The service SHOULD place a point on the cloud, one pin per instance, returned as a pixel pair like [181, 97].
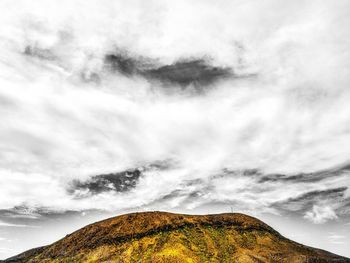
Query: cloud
[252, 143]
[190, 72]
[337, 239]
[119, 182]
[321, 214]
[4, 224]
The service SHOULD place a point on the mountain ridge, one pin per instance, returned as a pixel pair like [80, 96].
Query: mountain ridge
[168, 237]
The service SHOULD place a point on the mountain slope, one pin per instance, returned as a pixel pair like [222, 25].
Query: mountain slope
[166, 237]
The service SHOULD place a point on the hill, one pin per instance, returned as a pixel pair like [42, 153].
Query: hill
[166, 237]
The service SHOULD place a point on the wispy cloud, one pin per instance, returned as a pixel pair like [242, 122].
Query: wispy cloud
[5, 224]
[337, 239]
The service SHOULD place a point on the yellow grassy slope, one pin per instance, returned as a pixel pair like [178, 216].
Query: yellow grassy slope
[164, 237]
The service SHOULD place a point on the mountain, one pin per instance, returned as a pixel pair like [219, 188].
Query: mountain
[166, 237]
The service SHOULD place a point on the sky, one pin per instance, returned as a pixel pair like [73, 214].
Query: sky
[187, 106]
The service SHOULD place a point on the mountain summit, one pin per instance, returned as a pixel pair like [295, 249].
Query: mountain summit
[166, 237]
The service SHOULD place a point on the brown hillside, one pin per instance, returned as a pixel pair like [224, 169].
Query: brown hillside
[166, 237]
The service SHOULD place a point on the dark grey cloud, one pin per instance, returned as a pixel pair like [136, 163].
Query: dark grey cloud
[123, 63]
[305, 177]
[198, 71]
[119, 182]
[307, 200]
[116, 182]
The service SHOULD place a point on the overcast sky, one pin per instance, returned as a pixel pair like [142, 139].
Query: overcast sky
[190, 106]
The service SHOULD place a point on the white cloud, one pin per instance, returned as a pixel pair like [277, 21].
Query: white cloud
[320, 214]
[337, 239]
